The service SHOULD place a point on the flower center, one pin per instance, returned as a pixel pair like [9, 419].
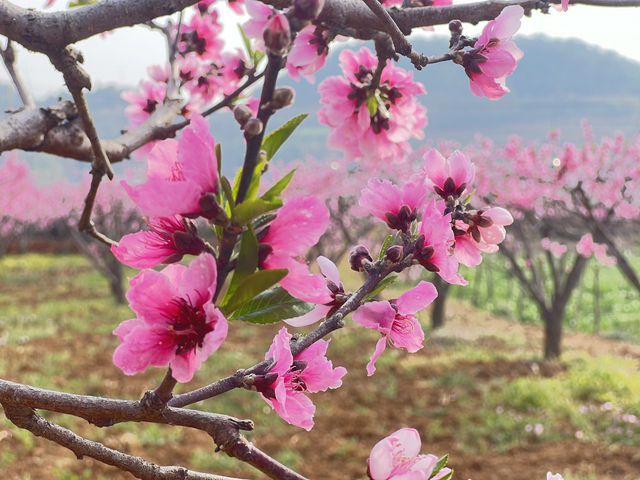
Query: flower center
[189, 326]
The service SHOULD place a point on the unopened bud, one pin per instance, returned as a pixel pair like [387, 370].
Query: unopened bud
[277, 34]
[455, 27]
[394, 253]
[210, 209]
[242, 114]
[358, 257]
[253, 127]
[307, 9]
[283, 97]
[186, 242]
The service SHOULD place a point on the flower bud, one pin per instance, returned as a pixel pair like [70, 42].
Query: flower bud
[253, 127]
[455, 27]
[307, 9]
[283, 97]
[187, 242]
[394, 253]
[277, 34]
[358, 257]
[210, 209]
[242, 114]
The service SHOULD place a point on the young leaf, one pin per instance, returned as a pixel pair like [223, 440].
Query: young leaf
[252, 192]
[226, 188]
[247, 45]
[440, 464]
[448, 476]
[253, 208]
[372, 105]
[251, 286]
[271, 306]
[278, 188]
[247, 261]
[390, 240]
[384, 283]
[81, 3]
[274, 140]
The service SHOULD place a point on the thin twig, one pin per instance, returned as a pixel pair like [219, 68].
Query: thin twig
[9, 59]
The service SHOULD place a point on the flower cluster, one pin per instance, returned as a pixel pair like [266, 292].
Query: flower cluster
[369, 116]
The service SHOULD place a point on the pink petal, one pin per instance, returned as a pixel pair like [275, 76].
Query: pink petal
[416, 298]
[375, 315]
[280, 351]
[162, 159]
[435, 165]
[409, 438]
[381, 460]
[197, 155]
[380, 346]
[164, 198]
[199, 280]
[143, 249]
[499, 215]
[304, 214]
[318, 313]
[148, 296]
[329, 269]
[300, 282]
[185, 365]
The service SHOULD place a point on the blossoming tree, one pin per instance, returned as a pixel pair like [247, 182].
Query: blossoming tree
[253, 269]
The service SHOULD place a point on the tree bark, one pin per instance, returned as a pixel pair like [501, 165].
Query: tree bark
[438, 309]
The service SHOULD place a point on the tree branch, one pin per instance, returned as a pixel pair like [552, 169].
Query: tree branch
[9, 59]
[26, 418]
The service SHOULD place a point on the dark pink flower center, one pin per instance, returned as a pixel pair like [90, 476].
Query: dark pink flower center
[189, 326]
[363, 88]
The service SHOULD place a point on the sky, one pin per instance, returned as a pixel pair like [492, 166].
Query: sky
[121, 58]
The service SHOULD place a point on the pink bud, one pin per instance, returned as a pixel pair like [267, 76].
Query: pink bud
[277, 34]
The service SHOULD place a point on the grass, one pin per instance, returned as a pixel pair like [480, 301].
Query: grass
[468, 396]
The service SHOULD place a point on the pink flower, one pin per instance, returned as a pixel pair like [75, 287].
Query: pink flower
[398, 457]
[299, 224]
[557, 476]
[396, 321]
[144, 102]
[308, 53]
[450, 177]
[564, 4]
[366, 120]
[586, 247]
[260, 15]
[168, 240]
[483, 234]
[179, 174]
[494, 56]
[309, 371]
[328, 297]
[177, 323]
[436, 253]
[556, 249]
[396, 206]
[202, 34]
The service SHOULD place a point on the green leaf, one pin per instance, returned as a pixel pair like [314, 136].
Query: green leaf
[251, 286]
[81, 3]
[275, 139]
[253, 208]
[372, 105]
[228, 192]
[278, 188]
[247, 44]
[219, 156]
[247, 261]
[440, 464]
[384, 283]
[271, 306]
[448, 476]
[252, 192]
[390, 240]
[382, 109]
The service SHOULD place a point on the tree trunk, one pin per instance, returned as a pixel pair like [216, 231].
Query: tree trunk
[116, 282]
[552, 334]
[438, 308]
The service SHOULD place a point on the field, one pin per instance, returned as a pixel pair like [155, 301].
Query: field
[477, 391]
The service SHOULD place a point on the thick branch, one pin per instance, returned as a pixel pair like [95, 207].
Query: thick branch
[49, 31]
[26, 418]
